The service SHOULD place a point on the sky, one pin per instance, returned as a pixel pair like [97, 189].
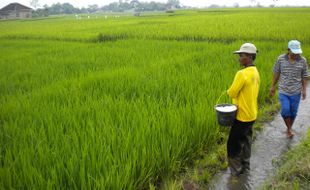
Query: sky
[193, 3]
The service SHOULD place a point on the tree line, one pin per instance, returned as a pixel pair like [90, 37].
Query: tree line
[120, 6]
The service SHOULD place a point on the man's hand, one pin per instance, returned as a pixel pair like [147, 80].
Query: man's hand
[272, 91]
[303, 94]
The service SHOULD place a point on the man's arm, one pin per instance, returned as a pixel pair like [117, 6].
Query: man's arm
[276, 75]
[304, 88]
[304, 80]
[275, 80]
[236, 86]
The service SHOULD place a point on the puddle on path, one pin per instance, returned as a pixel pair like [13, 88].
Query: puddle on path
[268, 147]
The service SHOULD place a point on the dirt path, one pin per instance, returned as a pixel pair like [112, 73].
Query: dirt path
[269, 145]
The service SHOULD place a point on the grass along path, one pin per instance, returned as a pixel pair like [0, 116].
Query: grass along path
[294, 169]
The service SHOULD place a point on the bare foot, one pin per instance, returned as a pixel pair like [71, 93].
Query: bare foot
[289, 134]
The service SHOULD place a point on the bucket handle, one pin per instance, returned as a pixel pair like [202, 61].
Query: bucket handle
[224, 92]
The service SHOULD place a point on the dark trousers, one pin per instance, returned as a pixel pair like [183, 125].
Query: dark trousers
[239, 147]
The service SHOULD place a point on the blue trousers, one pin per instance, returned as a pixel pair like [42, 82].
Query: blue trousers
[289, 105]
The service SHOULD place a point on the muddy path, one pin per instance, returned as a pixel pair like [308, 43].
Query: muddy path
[268, 147]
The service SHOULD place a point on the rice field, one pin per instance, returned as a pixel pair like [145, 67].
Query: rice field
[121, 103]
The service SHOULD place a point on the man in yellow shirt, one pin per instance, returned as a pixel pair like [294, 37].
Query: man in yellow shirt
[244, 92]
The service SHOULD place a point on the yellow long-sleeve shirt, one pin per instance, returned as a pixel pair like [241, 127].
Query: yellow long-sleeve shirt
[244, 92]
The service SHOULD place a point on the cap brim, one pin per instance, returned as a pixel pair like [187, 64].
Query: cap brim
[237, 52]
[296, 51]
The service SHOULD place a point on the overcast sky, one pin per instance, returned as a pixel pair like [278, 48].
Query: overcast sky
[193, 3]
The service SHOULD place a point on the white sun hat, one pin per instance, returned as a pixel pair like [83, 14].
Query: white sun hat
[247, 48]
[295, 47]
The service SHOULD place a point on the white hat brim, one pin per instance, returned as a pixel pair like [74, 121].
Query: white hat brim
[296, 51]
[238, 52]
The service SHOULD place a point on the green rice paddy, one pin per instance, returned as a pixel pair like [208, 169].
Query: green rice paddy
[121, 103]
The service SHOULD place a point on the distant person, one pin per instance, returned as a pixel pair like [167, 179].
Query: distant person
[244, 92]
[291, 69]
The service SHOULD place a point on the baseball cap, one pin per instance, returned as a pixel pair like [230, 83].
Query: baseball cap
[247, 48]
[294, 46]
